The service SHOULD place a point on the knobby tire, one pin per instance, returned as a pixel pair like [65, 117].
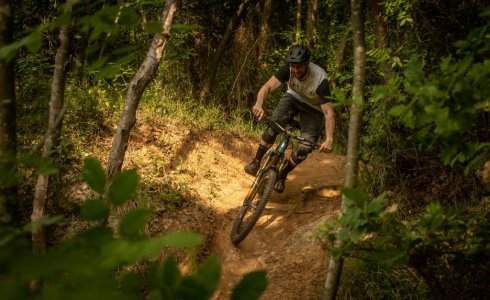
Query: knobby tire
[248, 215]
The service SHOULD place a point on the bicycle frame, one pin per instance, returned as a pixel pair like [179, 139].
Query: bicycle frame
[263, 185]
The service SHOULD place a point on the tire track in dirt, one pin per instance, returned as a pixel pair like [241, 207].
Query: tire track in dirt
[282, 241]
[210, 164]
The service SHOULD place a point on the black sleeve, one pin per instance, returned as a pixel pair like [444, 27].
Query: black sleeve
[283, 74]
[323, 90]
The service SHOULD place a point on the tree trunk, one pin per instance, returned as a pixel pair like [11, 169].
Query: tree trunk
[351, 172]
[339, 59]
[299, 5]
[8, 141]
[52, 139]
[311, 23]
[137, 86]
[210, 75]
[376, 15]
[264, 30]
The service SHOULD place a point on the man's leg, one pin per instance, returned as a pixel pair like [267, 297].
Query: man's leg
[281, 115]
[253, 167]
[297, 157]
[311, 122]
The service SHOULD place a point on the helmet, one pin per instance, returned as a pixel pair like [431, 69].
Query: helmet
[298, 54]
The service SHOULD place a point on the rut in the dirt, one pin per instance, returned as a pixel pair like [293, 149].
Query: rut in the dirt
[282, 242]
[210, 164]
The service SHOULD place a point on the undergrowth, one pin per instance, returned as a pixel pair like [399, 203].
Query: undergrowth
[363, 280]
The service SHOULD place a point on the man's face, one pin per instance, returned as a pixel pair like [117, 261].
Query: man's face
[299, 70]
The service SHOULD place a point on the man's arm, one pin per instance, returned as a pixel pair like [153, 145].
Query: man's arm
[271, 85]
[329, 127]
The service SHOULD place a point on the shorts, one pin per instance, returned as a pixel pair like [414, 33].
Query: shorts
[311, 120]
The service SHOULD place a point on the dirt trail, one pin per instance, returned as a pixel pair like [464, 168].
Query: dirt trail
[281, 242]
[210, 163]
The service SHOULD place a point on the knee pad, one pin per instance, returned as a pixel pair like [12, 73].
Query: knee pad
[301, 153]
[269, 136]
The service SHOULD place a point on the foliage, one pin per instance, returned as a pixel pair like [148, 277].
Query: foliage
[429, 110]
[399, 9]
[367, 280]
[446, 107]
[436, 107]
[450, 251]
[98, 262]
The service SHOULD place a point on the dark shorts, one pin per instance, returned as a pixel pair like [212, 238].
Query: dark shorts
[311, 120]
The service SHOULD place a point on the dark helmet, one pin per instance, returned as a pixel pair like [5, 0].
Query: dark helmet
[298, 54]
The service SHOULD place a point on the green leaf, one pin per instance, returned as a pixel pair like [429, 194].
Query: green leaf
[336, 253]
[119, 252]
[133, 222]
[94, 175]
[343, 234]
[398, 110]
[375, 206]
[123, 187]
[132, 284]
[8, 52]
[357, 196]
[99, 63]
[182, 239]
[208, 274]
[41, 222]
[251, 286]
[355, 235]
[43, 166]
[108, 71]
[153, 27]
[94, 210]
[33, 42]
[391, 257]
[128, 17]
[171, 274]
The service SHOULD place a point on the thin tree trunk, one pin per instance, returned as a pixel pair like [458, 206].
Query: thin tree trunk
[52, 140]
[8, 141]
[137, 86]
[264, 30]
[210, 75]
[311, 23]
[339, 59]
[299, 5]
[376, 15]
[357, 21]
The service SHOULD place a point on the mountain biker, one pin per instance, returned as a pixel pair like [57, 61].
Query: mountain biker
[307, 89]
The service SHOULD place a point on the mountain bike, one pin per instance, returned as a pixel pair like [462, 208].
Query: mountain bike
[271, 166]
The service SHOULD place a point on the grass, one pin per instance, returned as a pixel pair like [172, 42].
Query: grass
[362, 280]
[159, 102]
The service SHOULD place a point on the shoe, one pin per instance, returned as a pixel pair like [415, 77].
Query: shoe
[252, 168]
[280, 185]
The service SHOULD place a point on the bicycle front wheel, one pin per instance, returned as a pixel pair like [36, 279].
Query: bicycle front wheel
[253, 205]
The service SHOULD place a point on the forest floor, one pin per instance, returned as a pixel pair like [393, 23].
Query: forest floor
[207, 165]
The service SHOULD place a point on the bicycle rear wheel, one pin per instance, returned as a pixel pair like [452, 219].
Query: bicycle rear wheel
[253, 205]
